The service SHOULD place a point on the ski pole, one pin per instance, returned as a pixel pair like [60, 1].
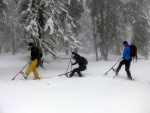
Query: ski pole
[69, 63]
[20, 71]
[113, 66]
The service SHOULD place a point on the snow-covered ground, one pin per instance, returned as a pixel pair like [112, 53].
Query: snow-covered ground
[93, 93]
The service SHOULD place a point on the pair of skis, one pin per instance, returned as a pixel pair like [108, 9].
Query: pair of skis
[25, 77]
[66, 74]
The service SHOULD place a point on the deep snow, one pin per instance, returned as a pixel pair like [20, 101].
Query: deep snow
[93, 93]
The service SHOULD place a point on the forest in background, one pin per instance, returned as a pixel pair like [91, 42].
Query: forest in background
[88, 26]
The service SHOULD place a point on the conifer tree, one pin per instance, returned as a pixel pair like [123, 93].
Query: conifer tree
[138, 18]
[2, 16]
[47, 22]
[105, 17]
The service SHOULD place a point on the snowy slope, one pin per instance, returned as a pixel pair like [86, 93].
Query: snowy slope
[93, 93]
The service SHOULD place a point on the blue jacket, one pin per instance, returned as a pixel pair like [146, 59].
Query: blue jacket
[126, 53]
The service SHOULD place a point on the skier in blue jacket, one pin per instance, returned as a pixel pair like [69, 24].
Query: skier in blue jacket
[126, 60]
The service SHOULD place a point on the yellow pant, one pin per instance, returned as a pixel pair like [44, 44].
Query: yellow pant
[32, 67]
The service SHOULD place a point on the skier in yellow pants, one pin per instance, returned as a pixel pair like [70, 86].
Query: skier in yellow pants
[33, 63]
[32, 67]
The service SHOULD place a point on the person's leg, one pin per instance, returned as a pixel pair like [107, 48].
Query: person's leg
[30, 68]
[73, 71]
[79, 71]
[119, 66]
[36, 75]
[127, 68]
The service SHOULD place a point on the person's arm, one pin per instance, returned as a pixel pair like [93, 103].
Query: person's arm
[125, 52]
[74, 63]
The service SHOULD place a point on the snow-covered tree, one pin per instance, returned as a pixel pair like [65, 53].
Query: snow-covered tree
[85, 36]
[111, 21]
[138, 18]
[2, 22]
[75, 9]
[10, 29]
[105, 16]
[48, 22]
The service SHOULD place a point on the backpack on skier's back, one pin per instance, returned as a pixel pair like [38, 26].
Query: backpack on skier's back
[133, 51]
[39, 52]
[84, 60]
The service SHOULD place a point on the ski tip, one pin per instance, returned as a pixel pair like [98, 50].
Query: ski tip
[13, 79]
[37, 78]
[105, 74]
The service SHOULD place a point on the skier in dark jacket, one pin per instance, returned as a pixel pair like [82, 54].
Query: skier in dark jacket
[33, 63]
[126, 60]
[78, 60]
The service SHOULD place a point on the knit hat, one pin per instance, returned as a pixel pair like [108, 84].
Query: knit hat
[125, 42]
[30, 44]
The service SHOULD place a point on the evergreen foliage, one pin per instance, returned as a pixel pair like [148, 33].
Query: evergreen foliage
[47, 22]
[111, 21]
[137, 17]
[56, 25]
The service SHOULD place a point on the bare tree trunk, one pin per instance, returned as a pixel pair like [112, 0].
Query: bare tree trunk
[13, 39]
[66, 50]
[0, 50]
[13, 46]
[1, 24]
[40, 29]
[40, 21]
[95, 39]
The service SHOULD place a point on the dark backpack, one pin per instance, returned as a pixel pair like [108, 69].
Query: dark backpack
[84, 60]
[133, 51]
[39, 53]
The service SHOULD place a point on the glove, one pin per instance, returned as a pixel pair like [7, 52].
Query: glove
[73, 52]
